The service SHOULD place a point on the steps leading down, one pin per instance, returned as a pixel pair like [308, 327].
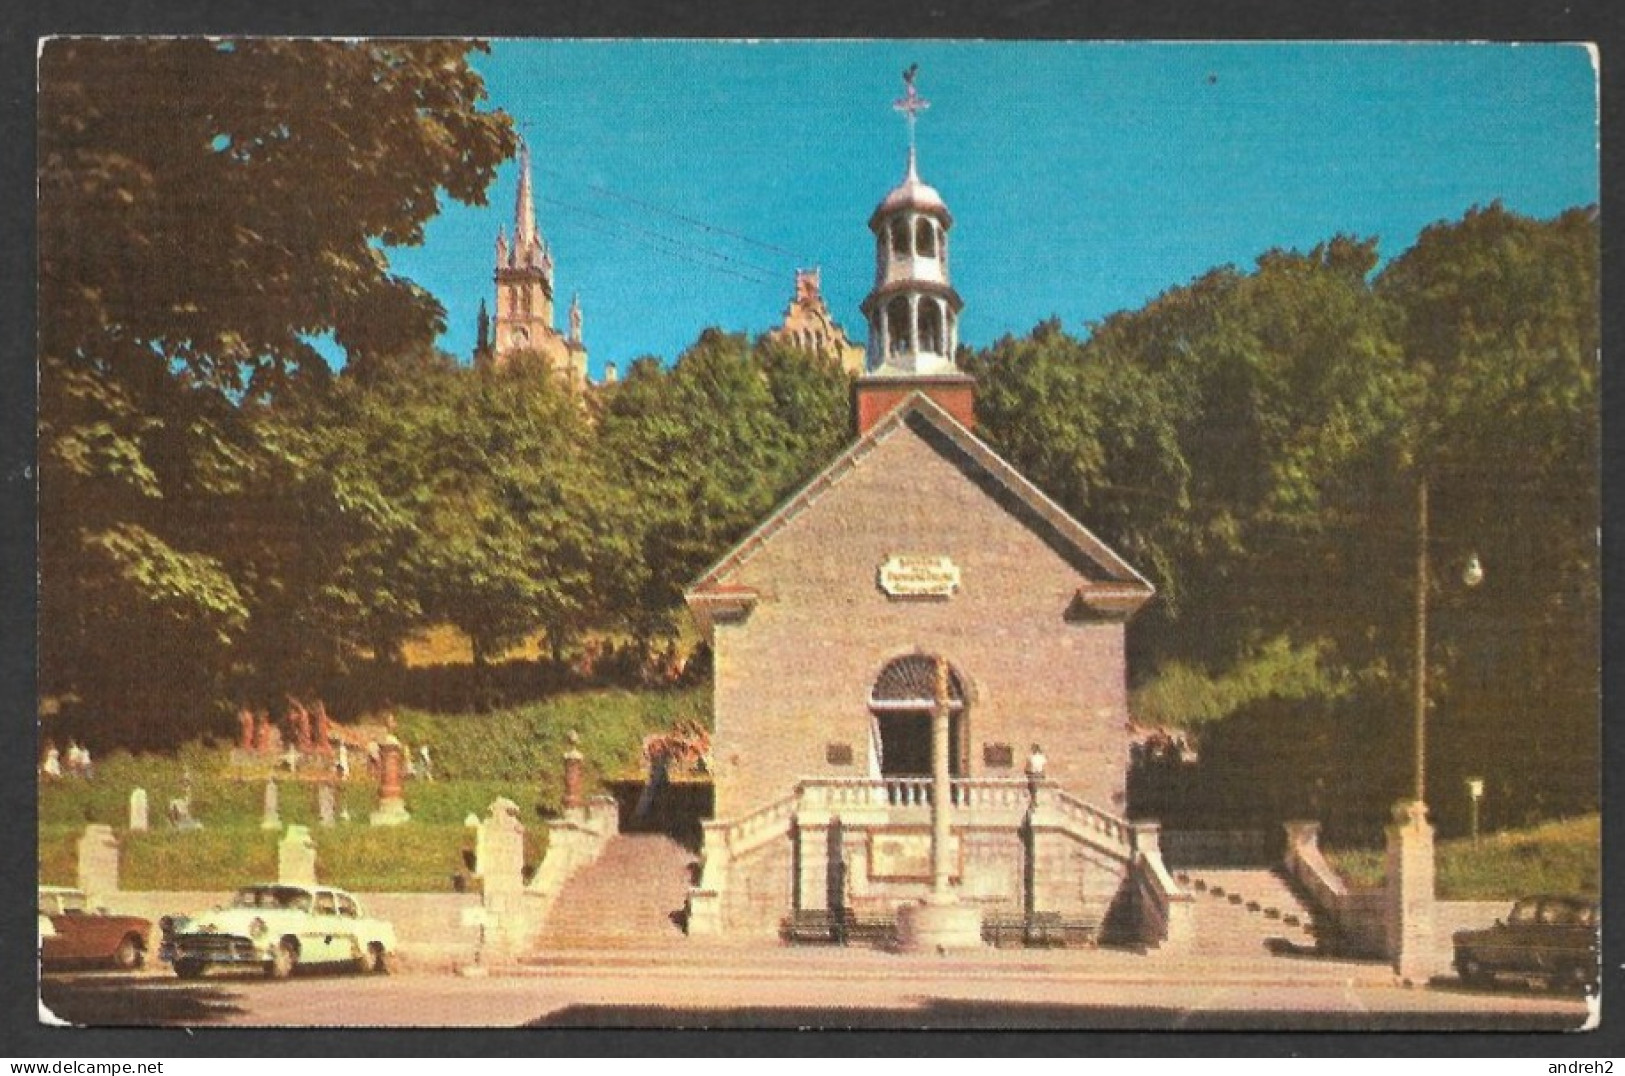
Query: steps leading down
[1246, 912]
[632, 895]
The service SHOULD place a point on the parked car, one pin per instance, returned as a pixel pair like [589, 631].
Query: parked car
[278, 928]
[1545, 937]
[79, 934]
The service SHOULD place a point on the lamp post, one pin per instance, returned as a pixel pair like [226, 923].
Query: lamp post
[1421, 677]
[1409, 912]
[1472, 575]
[1475, 790]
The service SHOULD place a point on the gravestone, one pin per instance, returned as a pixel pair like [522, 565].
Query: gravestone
[391, 802]
[296, 857]
[138, 811]
[326, 804]
[270, 818]
[179, 813]
[98, 862]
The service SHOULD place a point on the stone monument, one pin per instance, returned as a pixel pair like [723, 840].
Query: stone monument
[270, 817]
[138, 811]
[940, 921]
[326, 803]
[391, 802]
[296, 857]
[98, 862]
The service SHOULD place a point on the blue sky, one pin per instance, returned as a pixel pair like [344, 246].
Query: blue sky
[681, 184]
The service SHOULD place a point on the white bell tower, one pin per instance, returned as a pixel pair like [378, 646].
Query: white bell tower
[913, 309]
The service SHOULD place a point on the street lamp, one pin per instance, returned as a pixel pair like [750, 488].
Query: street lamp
[1471, 575]
[1475, 789]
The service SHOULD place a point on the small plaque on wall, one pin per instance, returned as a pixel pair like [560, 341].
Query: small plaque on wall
[905, 575]
[906, 856]
[998, 756]
[838, 754]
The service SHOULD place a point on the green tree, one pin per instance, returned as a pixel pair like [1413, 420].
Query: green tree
[1212, 438]
[1500, 314]
[707, 448]
[208, 210]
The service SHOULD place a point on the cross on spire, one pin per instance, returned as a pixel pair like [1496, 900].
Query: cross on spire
[911, 104]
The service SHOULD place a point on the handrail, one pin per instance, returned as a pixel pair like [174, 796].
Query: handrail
[1084, 820]
[1104, 827]
[965, 792]
[742, 834]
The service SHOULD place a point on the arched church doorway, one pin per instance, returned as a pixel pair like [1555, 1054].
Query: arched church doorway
[901, 702]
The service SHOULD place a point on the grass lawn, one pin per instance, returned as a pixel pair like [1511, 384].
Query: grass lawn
[1557, 857]
[515, 753]
[420, 856]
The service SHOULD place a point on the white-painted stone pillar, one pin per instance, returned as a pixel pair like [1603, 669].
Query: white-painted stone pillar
[1409, 914]
[940, 922]
[98, 862]
[941, 789]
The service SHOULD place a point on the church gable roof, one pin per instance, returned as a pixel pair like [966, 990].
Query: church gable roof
[1111, 585]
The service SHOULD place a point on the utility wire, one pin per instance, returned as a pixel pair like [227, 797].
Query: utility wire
[765, 272]
[715, 229]
[677, 253]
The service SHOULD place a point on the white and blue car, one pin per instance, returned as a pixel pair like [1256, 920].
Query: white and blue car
[278, 928]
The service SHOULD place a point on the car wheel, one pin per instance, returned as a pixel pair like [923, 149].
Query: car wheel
[1475, 974]
[284, 958]
[374, 960]
[188, 969]
[1571, 979]
[129, 954]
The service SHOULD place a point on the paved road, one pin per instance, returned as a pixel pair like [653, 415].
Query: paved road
[829, 989]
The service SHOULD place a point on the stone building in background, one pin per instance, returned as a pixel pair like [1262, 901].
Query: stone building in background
[524, 311]
[808, 325]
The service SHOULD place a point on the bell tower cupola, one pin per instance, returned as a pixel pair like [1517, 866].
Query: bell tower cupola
[913, 309]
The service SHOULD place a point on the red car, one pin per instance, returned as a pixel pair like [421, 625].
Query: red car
[82, 936]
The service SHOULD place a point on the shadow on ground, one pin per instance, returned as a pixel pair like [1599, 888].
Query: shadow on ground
[956, 1015]
[121, 1001]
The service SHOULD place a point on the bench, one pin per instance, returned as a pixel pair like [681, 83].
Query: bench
[822, 926]
[1041, 930]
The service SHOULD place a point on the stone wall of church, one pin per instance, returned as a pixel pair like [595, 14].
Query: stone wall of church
[792, 679]
[760, 890]
[809, 868]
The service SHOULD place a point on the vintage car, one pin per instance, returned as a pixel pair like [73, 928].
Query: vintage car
[79, 934]
[1545, 937]
[278, 928]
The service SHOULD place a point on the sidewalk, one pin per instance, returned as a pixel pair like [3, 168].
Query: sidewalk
[768, 960]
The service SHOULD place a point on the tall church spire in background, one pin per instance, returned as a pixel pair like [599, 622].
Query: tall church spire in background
[524, 209]
[524, 278]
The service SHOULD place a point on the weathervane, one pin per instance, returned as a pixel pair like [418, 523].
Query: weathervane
[911, 104]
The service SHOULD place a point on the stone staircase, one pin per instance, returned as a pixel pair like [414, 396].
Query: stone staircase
[1243, 912]
[631, 896]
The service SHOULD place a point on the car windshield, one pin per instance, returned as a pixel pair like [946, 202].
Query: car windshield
[62, 902]
[1524, 911]
[273, 896]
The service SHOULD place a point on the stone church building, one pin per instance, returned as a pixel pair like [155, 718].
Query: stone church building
[524, 283]
[918, 546]
[809, 325]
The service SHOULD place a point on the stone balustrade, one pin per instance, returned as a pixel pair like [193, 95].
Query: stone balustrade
[1108, 829]
[974, 793]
